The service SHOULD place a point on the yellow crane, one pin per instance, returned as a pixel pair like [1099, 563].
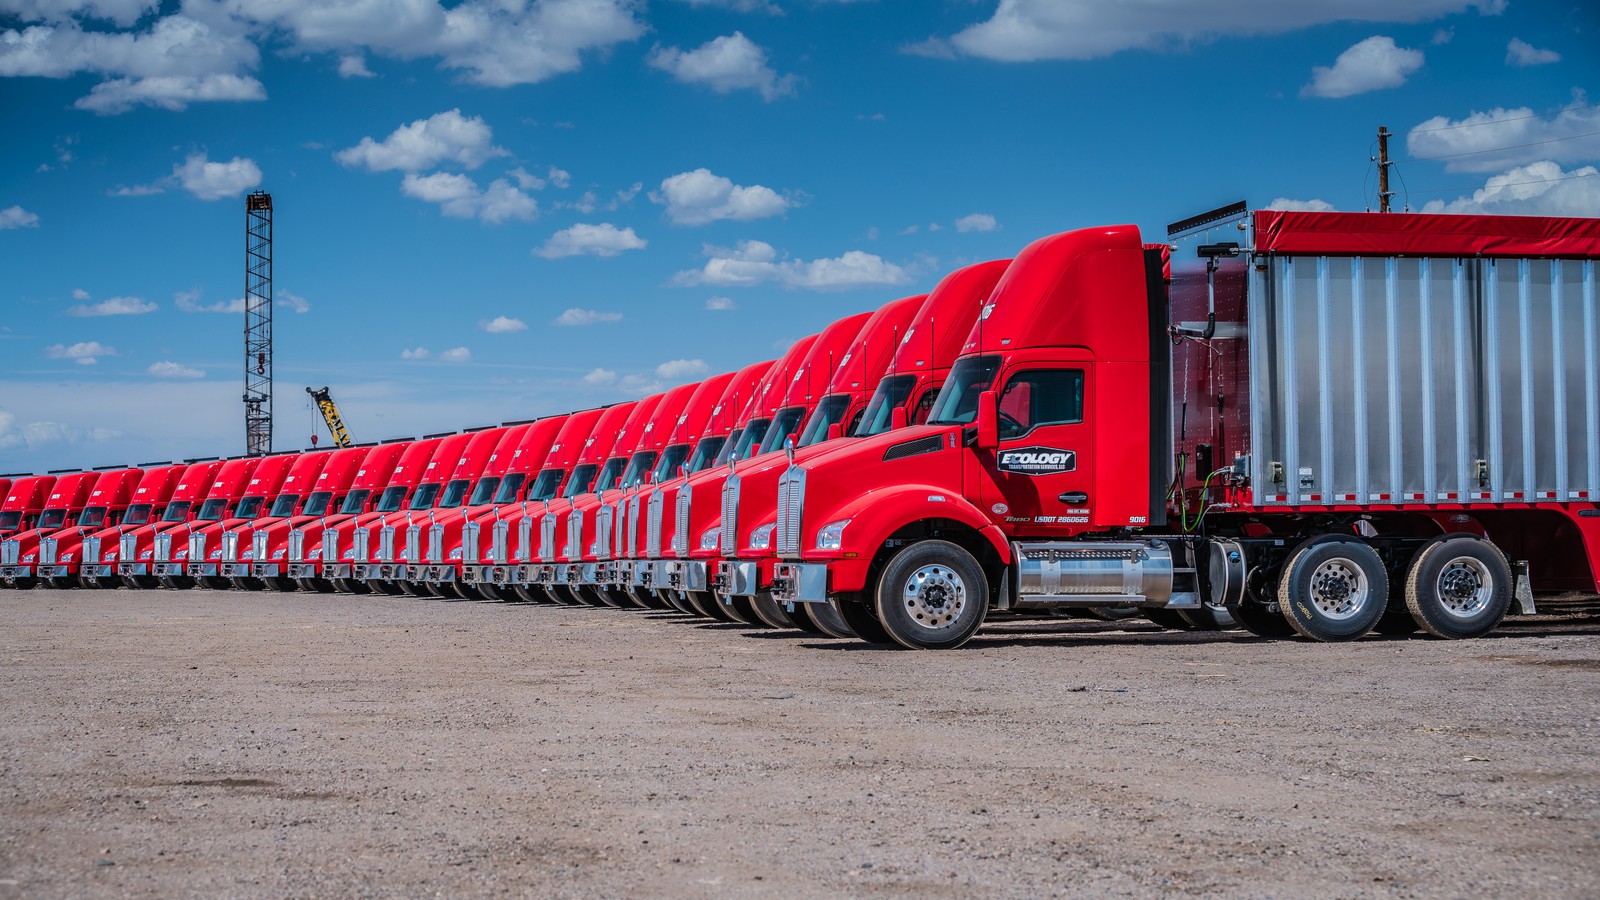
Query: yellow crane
[330, 414]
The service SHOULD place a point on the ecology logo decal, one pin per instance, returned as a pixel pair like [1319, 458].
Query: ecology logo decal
[1038, 461]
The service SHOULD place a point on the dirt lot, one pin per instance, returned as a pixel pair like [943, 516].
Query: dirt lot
[206, 743]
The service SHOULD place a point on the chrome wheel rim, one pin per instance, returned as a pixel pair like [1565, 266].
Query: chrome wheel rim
[1339, 589]
[1465, 587]
[934, 597]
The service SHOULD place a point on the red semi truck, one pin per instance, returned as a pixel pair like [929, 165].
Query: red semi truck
[913, 367]
[80, 555]
[169, 547]
[62, 503]
[348, 543]
[318, 483]
[103, 551]
[1325, 423]
[299, 542]
[202, 541]
[98, 499]
[540, 575]
[25, 500]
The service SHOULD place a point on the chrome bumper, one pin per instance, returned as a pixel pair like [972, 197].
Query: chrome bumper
[97, 571]
[588, 573]
[195, 569]
[265, 570]
[126, 569]
[479, 574]
[381, 572]
[800, 583]
[53, 572]
[737, 579]
[302, 570]
[686, 575]
[437, 574]
[168, 569]
[330, 570]
[16, 571]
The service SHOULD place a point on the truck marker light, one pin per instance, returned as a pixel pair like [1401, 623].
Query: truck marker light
[1000, 509]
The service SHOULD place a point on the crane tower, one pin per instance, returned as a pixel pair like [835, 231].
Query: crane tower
[258, 323]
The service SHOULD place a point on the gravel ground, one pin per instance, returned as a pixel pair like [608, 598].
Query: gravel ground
[233, 744]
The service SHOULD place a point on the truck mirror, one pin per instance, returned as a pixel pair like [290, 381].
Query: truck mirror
[898, 418]
[988, 421]
[835, 431]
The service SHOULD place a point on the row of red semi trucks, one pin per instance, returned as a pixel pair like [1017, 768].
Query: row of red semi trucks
[1314, 423]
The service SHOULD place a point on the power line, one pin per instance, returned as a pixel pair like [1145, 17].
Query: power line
[1497, 121]
[1558, 140]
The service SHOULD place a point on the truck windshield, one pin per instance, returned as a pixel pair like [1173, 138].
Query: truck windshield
[892, 392]
[177, 511]
[10, 519]
[353, 502]
[638, 466]
[607, 479]
[454, 493]
[317, 503]
[392, 498]
[783, 425]
[671, 458]
[92, 516]
[705, 454]
[582, 477]
[283, 507]
[423, 498]
[726, 450]
[509, 487]
[484, 492]
[546, 485]
[750, 438]
[828, 413]
[138, 514]
[250, 507]
[957, 403]
[212, 510]
[52, 518]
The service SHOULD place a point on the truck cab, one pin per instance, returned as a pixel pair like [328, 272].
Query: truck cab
[25, 500]
[316, 483]
[202, 546]
[94, 558]
[551, 539]
[313, 546]
[231, 490]
[349, 481]
[209, 487]
[91, 501]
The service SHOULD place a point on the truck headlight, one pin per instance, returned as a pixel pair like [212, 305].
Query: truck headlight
[761, 538]
[831, 535]
[711, 538]
[456, 553]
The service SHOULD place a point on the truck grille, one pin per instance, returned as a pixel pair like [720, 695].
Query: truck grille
[385, 543]
[163, 547]
[652, 534]
[469, 543]
[91, 551]
[574, 549]
[408, 553]
[436, 543]
[47, 552]
[602, 531]
[230, 546]
[547, 537]
[730, 516]
[791, 500]
[297, 544]
[330, 545]
[128, 546]
[258, 546]
[9, 550]
[632, 526]
[680, 523]
[524, 539]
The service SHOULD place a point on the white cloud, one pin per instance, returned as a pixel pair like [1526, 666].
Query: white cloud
[174, 92]
[1374, 64]
[561, 178]
[676, 369]
[1538, 189]
[354, 65]
[1521, 53]
[84, 353]
[585, 204]
[604, 239]
[456, 354]
[728, 63]
[720, 304]
[503, 325]
[293, 301]
[600, 377]
[1443, 36]
[458, 196]
[756, 262]
[579, 316]
[625, 196]
[1028, 30]
[80, 294]
[115, 306]
[189, 302]
[415, 353]
[169, 369]
[17, 217]
[765, 6]
[138, 190]
[425, 143]
[1288, 204]
[699, 197]
[216, 180]
[977, 222]
[122, 12]
[44, 432]
[1494, 141]
[526, 180]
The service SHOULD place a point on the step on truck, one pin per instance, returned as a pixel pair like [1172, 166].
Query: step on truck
[913, 365]
[1324, 423]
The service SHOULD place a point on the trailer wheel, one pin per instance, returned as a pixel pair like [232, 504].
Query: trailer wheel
[1458, 587]
[932, 596]
[1333, 588]
[1168, 618]
[860, 616]
[771, 611]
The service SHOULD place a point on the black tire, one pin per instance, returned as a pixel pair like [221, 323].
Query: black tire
[860, 616]
[648, 599]
[383, 586]
[827, 619]
[530, 593]
[1261, 620]
[26, 583]
[61, 584]
[590, 596]
[1458, 586]
[142, 582]
[1168, 618]
[932, 596]
[740, 609]
[673, 601]
[215, 582]
[1208, 618]
[176, 582]
[316, 585]
[1333, 588]
[249, 583]
[565, 595]
[91, 583]
[415, 589]
[350, 586]
[494, 592]
[771, 611]
[282, 583]
[706, 602]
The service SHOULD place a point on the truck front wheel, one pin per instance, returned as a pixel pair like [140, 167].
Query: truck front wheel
[1333, 588]
[932, 596]
[1458, 586]
[861, 618]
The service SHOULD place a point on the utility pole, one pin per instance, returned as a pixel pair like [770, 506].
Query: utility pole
[258, 323]
[1383, 169]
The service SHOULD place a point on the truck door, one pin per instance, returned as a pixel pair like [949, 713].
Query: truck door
[1037, 482]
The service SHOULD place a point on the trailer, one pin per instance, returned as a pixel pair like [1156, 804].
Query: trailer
[1323, 423]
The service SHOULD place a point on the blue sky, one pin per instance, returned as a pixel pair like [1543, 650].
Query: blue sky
[495, 210]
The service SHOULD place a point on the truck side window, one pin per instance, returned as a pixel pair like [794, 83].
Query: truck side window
[1041, 397]
[923, 409]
